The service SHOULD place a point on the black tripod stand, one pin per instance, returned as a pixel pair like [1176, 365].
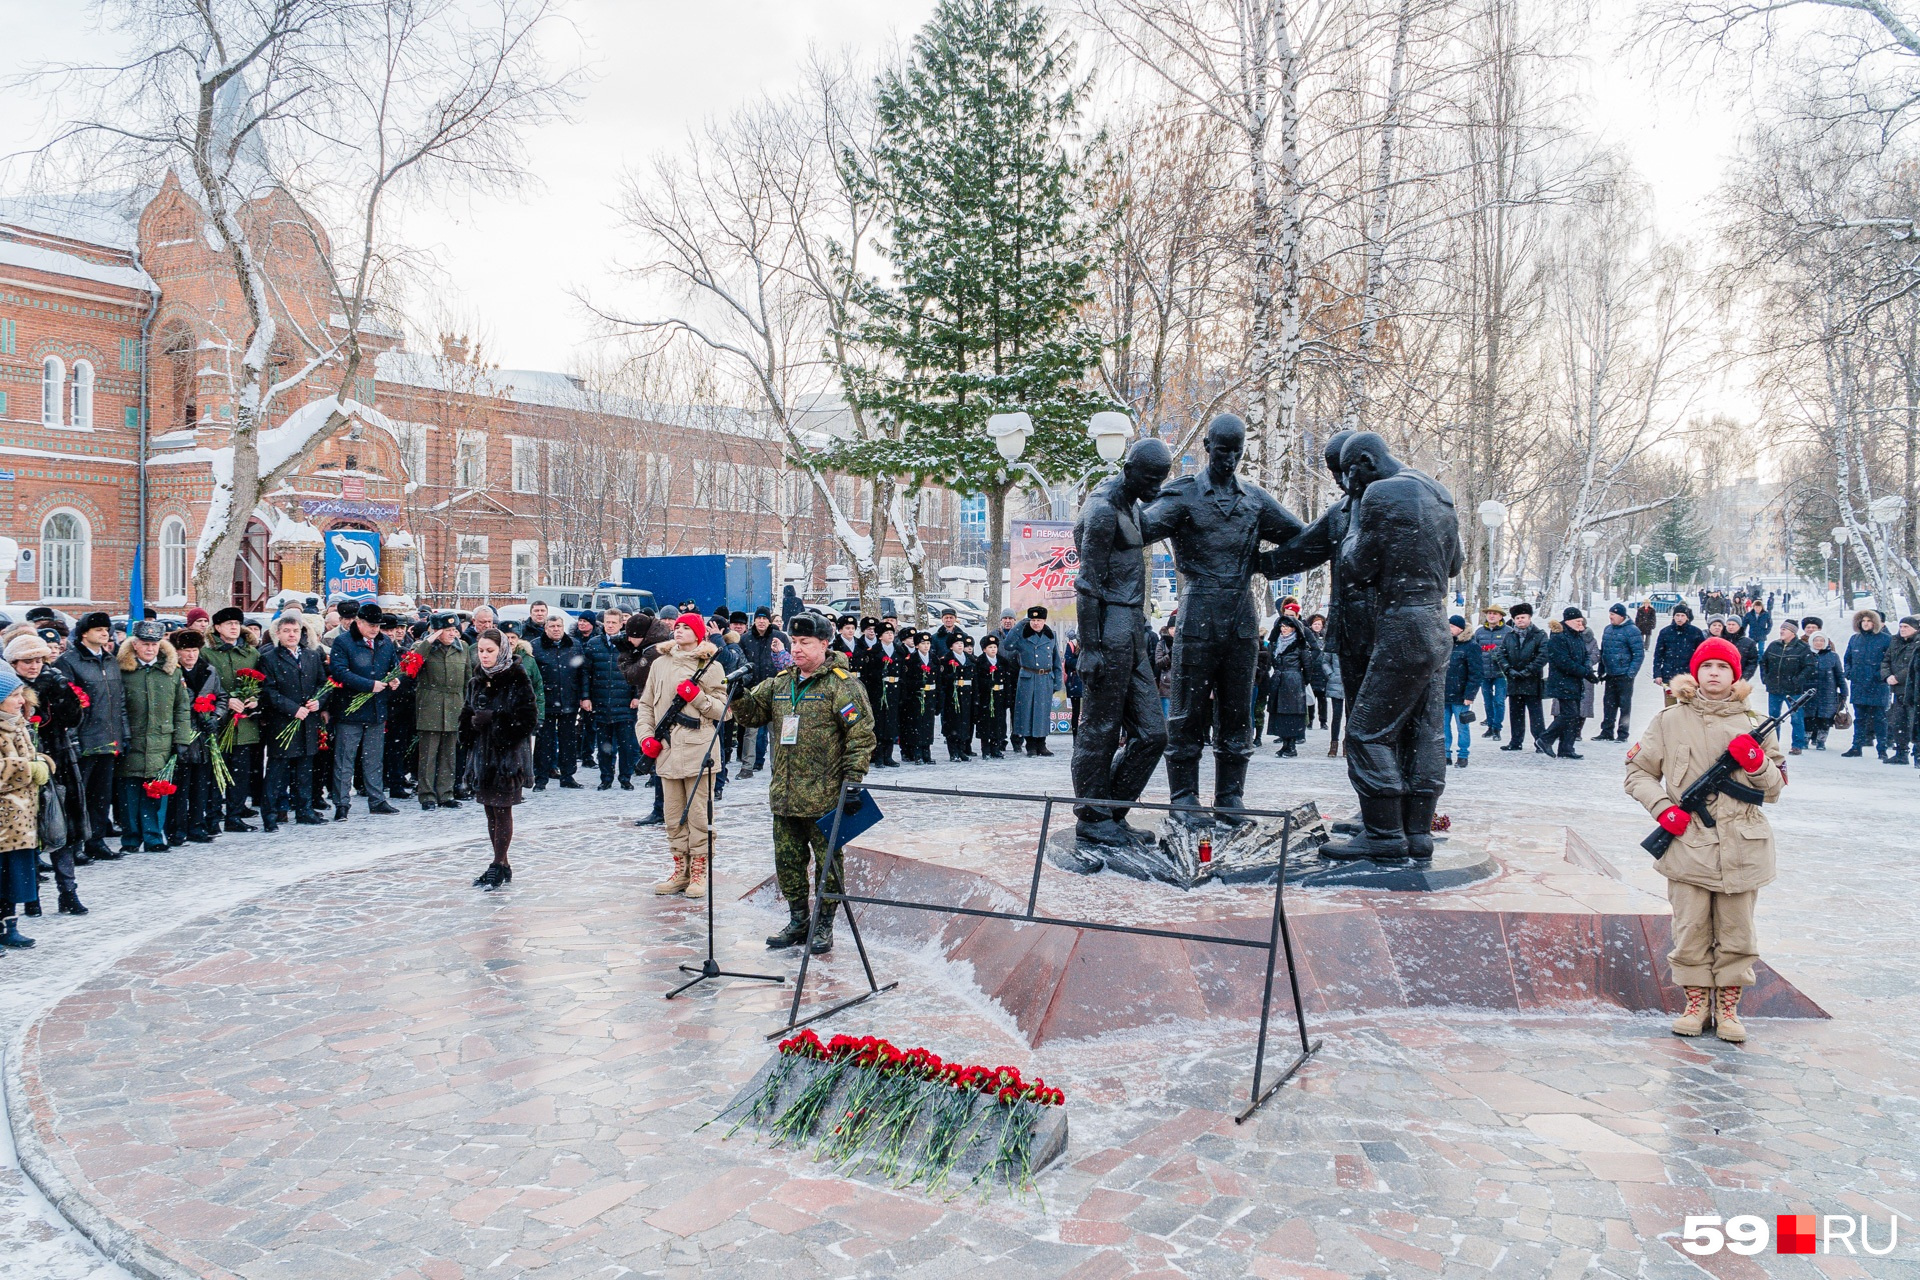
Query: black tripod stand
[710, 967]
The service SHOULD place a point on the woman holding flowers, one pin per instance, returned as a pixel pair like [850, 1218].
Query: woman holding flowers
[496, 728]
[59, 710]
[296, 677]
[23, 771]
[194, 814]
[159, 723]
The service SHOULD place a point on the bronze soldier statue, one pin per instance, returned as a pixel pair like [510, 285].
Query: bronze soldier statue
[1216, 524]
[1399, 551]
[1116, 649]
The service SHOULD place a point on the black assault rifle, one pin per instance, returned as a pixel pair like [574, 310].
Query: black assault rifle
[1719, 780]
[675, 714]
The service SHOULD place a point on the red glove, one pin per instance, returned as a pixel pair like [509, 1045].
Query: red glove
[1746, 749]
[1673, 820]
[688, 691]
[650, 748]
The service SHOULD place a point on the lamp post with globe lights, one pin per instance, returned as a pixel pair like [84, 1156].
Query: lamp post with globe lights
[1841, 536]
[1633, 549]
[1826, 575]
[1588, 537]
[1673, 566]
[1493, 514]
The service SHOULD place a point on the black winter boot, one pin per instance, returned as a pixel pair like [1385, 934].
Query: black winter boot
[823, 936]
[1229, 788]
[796, 931]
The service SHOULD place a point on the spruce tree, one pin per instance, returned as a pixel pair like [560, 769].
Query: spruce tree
[989, 237]
[1679, 531]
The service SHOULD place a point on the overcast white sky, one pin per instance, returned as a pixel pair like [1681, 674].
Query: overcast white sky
[660, 66]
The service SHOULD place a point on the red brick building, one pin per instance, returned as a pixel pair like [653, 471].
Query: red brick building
[117, 312]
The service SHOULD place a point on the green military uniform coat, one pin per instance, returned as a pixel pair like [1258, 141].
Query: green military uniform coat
[440, 690]
[228, 659]
[833, 746]
[159, 706]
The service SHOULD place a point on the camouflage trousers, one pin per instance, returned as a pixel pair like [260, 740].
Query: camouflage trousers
[796, 841]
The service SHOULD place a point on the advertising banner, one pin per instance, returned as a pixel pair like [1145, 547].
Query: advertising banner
[352, 564]
[1043, 563]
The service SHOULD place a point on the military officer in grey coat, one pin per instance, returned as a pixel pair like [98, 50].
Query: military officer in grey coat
[1041, 655]
[1216, 523]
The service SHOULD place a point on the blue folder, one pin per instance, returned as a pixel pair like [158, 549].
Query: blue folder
[857, 823]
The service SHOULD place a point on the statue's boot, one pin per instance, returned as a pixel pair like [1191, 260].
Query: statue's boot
[1229, 789]
[1416, 815]
[1104, 831]
[1382, 836]
[1183, 788]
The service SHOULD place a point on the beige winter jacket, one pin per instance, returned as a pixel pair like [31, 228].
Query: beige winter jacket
[686, 748]
[19, 793]
[1684, 740]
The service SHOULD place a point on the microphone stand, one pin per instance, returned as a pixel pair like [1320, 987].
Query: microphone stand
[710, 967]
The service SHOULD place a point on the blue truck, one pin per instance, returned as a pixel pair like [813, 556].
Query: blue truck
[737, 582]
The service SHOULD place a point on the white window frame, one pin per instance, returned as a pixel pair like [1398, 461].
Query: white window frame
[471, 580]
[173, 558]
[526, 465]
[525, 569]
[53, 392]
[83, 395]
[470, 460]
[470, 546]
[80, 563]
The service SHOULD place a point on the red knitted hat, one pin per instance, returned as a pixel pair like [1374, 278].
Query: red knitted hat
[698, 625]
[1715, 647]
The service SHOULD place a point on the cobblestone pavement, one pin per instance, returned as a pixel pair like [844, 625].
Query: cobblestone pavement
[270, 1062]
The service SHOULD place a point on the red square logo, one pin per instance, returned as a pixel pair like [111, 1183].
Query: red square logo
[1794, 1233]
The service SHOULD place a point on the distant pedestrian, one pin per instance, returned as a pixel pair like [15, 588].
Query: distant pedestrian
[1294, 657]
[1570, 675]
[1040, 655]
[496, 726]
[24, 769]
[1523, 661]
[1871, 695]
[1827, 677]
[92, 666]
[1622, 650]
[1465, 677]
[57, 707]
[1493, 690]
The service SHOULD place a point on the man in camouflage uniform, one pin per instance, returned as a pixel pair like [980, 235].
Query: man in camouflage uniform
[822, 739]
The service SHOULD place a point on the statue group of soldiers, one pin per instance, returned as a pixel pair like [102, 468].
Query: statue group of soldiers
[1392, 542]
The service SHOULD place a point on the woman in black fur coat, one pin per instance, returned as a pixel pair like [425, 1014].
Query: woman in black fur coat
[496, 728]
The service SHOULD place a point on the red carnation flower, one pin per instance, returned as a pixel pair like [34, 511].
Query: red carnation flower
[411, 664]
[204, 703]
[159, 788]
[81, 694]
[248, 673]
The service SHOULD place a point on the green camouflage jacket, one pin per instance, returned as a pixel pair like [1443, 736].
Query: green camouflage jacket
[835, 740]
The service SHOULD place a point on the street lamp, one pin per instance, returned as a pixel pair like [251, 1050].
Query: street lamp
[1493, 514]
[1673, 565]
[1109, 432]
[1010, 432]
[1633, 549]
[1841, 536]
[1826, 554]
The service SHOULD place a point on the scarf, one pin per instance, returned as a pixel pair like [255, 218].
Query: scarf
[506, 660]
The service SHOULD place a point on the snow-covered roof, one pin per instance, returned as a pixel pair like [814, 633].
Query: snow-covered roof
[559, 391]
[108, 218]
[16, 253]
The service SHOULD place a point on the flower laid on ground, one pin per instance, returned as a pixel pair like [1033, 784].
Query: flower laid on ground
[887, 1092]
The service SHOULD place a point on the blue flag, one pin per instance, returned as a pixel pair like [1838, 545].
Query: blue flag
[136, 595]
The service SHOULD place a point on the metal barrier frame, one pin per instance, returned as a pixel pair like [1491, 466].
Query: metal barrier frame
[1279, 935]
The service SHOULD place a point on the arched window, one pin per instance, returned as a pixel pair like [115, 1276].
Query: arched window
[176, 347]
[63, 557]
[173, 558]
[53, 392]
[82, 393]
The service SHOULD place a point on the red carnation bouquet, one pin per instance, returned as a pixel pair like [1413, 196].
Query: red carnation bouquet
[204, 703]
[159, 788]
[866, 1099]
[410, 664]
[246, 686]
[81, 694]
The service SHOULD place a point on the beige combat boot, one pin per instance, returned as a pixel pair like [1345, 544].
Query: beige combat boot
[697, 876]
[1693, 1019]
[677, 882]
[1726, 1016]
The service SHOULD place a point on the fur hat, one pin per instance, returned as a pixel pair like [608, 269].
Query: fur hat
[23, 648]
[1038, 611]
[1712, 649]
[637, 627]
[1523, 607]
[89, 621]
[146, 629]
[228, 614]
[810, 626]
[188, 638]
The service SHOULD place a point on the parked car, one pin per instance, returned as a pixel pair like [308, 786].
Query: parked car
[971, 616]
[1663, 601]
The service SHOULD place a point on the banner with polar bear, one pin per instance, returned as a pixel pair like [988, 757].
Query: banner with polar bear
[352, 564]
